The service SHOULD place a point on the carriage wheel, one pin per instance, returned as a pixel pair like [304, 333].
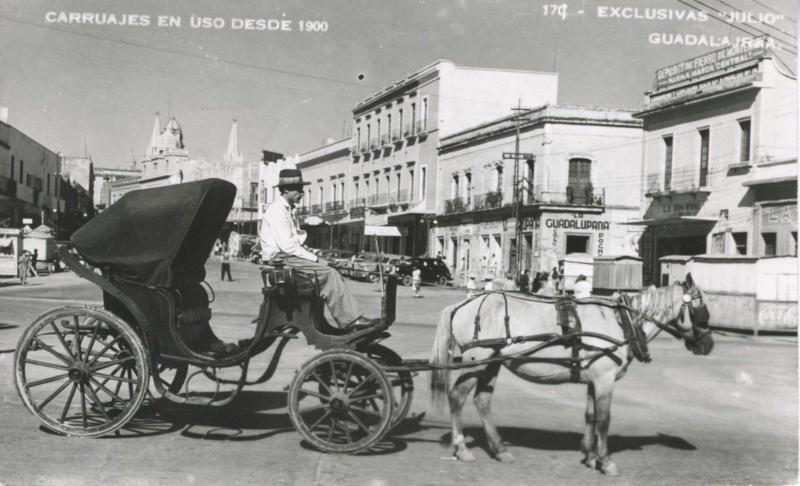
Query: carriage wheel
[402, 381]
[341, 401]
[407, 281]
[81, 371]
[172, 376]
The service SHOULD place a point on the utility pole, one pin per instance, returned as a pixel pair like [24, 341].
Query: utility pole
[517, 196]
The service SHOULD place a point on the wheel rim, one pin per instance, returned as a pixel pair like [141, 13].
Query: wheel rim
[401, 381]
[81, 371]
[341, 402]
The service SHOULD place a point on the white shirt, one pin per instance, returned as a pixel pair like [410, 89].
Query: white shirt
[416, 275]
[280, 233]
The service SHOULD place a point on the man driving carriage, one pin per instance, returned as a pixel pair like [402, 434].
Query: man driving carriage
[282, 238]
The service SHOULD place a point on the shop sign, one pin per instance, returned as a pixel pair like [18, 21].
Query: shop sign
[530, 223]
[779, 215]
[579, 224]
[708, 64]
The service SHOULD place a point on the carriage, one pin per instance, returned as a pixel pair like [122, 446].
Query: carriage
[86, 370]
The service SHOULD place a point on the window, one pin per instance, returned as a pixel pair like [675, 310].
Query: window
[423, 174]
[529, 175]
[321, 200]
[21, 170]
[48, 183]
[498, 175]
[577, 244]
[454, 187]
[355, 190]
[369, 133]
[155, 165]
[389, 124]
[424, 115]
[770, 241]
[341, 191]
[794, 239]
[740, 240]
[399, 196]
[400, 118]
[667, 163]
[468, 184]
[413, 115]
[378, 128]
[704, 143]
[13, 163]
[718, 243]
[358, 138]
[334, 192]
[411, 184]
[744, 140]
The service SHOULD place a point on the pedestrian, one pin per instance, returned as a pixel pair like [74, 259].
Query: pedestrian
[471, 286]
[489, 286]
[522, 282]
[23, 267]
[416, 281]
[583, 288]
[225, 258]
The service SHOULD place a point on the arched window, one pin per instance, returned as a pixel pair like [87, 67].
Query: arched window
[579, 185]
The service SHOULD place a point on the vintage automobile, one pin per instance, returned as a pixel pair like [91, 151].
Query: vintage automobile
[433, 270]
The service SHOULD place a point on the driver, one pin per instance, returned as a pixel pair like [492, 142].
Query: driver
[281, 237]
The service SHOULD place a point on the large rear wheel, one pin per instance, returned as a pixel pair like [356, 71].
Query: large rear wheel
[341, 401]
[81, 371]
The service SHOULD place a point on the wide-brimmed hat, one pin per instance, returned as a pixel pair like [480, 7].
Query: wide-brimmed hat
[290, 177]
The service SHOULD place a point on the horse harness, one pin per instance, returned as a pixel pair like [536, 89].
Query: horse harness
[571, 332]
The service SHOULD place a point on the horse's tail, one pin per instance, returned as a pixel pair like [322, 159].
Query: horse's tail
[441, 354]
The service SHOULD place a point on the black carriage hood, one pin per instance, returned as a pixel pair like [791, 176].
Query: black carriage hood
[158, 236]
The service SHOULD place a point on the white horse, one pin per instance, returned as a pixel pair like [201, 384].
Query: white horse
[602, 357]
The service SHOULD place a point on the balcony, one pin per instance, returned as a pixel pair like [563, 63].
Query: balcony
[408, 130]
[397, 135]
[373, 144]
[363, 148]
[377, 200]
[8, 187]
[302, 211]
[457, 205]
[575, 195]
[488, 200]
[402, 197]
[334, 206]
[316, 208]
[420, 129]
[683, 181]
[385, 140]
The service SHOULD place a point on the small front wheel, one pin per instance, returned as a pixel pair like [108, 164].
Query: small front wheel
[407, 281]
[441, 280]
[341, 401]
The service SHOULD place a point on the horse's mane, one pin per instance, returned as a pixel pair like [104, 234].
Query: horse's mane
[660, 303]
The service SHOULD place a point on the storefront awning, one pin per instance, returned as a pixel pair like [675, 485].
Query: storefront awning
[672, 221]
[771, 180]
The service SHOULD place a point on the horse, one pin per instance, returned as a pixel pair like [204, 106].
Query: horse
[494, 322]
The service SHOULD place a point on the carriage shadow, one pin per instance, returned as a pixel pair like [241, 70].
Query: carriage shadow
[5, 325]
[551, 440]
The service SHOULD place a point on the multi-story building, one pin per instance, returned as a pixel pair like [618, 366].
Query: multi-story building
[720, 157]
[29, 180]
[396, 134]
[103, 179]
[577, 184]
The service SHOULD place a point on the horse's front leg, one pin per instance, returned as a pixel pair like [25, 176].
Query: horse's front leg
[589, 442]
[457, 396]
[604, 389]
[483, 402]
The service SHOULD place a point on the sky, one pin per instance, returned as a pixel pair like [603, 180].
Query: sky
[82, 88]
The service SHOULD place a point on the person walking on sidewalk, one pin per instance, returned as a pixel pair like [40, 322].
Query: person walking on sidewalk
[416, 281]
[24, 267]
[225, 258]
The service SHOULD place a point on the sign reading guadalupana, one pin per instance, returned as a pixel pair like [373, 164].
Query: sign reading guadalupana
[713, 62]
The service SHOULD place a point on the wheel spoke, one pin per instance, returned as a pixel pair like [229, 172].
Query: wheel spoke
[368, 378]
[330, 430]
[109, 392]
[102, 351]
[83, 405]
[113, 373]
[347, 378]
[319, 420]
[54, 394]
[69, 402]
[106, 364]
[61, 338]
[319, 380]
[77, 342]
[334, 379]
[315, 394]
[368, 397]
[94, 338]
[357, 421]
[365, 411]
[52, 351]
[45, 364]
[45, 380]
[343, 425]
[130, 384]
[313, 409]
[97, 402]
[112, 377]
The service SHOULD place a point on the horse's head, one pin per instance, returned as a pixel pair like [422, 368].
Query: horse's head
[696, 332]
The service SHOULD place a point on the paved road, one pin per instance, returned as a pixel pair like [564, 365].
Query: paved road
[728, 418]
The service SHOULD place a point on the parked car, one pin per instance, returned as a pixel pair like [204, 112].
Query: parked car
[433, 270]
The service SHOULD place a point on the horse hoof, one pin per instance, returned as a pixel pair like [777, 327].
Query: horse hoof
[590, 462]
[505, 457]
[465, 455]
[609, 468]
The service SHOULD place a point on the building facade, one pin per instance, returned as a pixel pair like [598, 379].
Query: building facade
[103, 179]
[395, 140]
[578, 172]
[30, 180]
[720, 158]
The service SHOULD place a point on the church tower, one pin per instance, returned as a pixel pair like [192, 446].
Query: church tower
[232, 153]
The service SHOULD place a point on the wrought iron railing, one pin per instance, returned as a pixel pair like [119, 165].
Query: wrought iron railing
[396, 135]
[488, 200]
[408, 130]
[316, 208]
[574, 195]
[373, 144]
[680, 180]
[457, 205]
[303, 210]
[384, 140]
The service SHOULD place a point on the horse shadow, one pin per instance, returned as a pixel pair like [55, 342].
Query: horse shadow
[550, 440]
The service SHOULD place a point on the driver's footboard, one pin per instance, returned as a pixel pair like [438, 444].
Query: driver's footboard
[389, 303]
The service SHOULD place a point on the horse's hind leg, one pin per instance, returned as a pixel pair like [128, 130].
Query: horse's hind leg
[589, 442]
[604, 388]
[483, 402]
[458, 395]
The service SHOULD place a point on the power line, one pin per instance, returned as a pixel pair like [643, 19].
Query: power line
[776, 11]
[759, 20]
